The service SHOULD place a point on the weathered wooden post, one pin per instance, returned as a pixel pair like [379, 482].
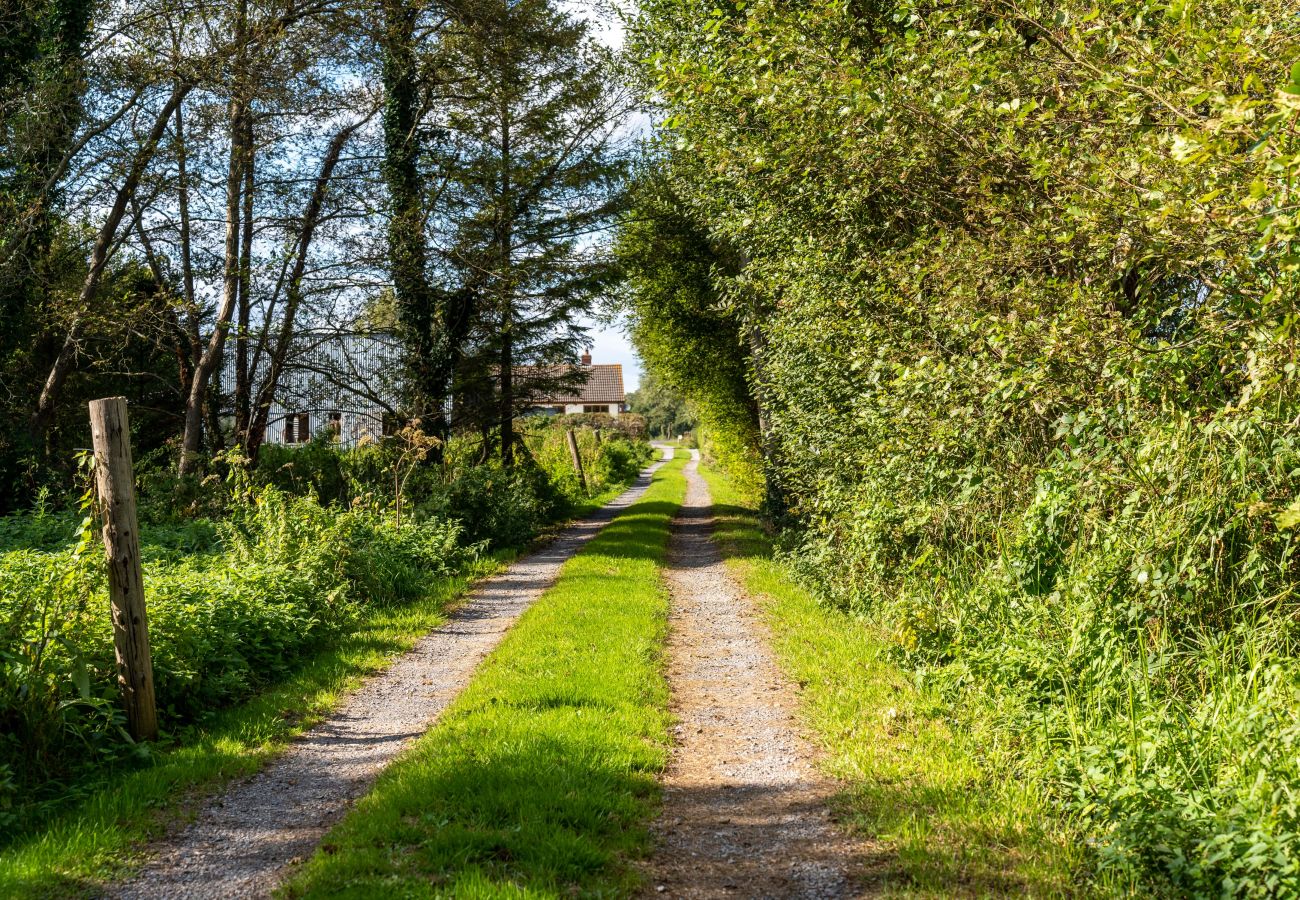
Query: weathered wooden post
[115, 487]
[577, 457]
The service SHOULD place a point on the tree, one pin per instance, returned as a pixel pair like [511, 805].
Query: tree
[416, 300]
[690, 340]
[535, 169]
[666, 411]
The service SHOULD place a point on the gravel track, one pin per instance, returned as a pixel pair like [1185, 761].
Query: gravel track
[745, 810]
[243, 840]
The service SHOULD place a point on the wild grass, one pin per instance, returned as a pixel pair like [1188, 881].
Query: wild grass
[936, 794]
[541, 777]
[100, 837]
[287, 578]
[90, 831]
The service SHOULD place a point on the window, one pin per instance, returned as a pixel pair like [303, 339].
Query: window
[593, 408]
[297, 428]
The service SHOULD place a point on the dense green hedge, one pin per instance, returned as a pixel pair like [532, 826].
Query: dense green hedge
[1017, 284]
[285, 576]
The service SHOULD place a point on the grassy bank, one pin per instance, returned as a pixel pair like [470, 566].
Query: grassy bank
[93, 833]
[97, 838]
[540, 778]
[939, 796]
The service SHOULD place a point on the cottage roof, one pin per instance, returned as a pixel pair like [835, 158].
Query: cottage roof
[604, 385]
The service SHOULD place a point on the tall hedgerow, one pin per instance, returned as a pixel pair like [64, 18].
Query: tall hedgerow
[1021, 279]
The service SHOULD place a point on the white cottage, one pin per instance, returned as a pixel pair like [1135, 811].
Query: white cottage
[340, 382]
[602, 392]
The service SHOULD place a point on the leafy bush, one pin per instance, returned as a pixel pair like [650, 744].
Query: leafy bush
[504, 508]
[609, 459]
[235, 601]
[284, 577]
[1014, 290]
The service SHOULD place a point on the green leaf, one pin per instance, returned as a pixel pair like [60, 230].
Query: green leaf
[1289, 517]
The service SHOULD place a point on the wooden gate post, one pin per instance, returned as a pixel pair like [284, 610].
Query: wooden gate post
[115, 486]
[577, 457]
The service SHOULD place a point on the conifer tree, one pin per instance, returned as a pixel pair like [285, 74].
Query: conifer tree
[535, 170]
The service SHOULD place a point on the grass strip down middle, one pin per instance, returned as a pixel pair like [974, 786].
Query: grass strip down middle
[541, 778]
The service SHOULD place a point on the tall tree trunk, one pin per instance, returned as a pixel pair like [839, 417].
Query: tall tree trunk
[407, 252]
[202, 400]
[187, 259]
[507, 398]
[243, 377]
[105, 243]
[191, 323]
[505, 285]
[275, 367]
[192, 440]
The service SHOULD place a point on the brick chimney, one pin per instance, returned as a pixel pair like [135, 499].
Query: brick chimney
[586, 357]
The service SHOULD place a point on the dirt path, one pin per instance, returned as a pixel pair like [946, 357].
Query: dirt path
[745, 811]
[242, 840]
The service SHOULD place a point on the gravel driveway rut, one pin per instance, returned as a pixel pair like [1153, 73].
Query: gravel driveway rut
[745, 810]
[243, 840]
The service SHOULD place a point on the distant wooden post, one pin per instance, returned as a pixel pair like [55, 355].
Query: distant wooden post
[577, 457]
[115, 485]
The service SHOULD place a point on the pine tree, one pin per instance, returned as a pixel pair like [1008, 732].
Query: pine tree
[535, 172]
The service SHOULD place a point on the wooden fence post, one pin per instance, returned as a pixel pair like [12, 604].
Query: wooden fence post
[115, 486]
[577, 457]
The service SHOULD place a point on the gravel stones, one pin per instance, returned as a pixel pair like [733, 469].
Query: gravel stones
[745, 810]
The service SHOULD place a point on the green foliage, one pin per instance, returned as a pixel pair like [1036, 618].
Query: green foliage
[239, 600]
[666, 411]
[943, 800]
[1025, 281]
[609, 458]
[285, 577]
[504, 507]
[691, 344]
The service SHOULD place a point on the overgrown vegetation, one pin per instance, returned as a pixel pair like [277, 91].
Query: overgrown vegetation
[939, 794]
[540, 778]
[1013, 289]
[237, 601]
[89, 836]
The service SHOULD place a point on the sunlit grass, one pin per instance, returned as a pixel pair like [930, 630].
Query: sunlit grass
[99, 838]
[541, 777]
[943, 816]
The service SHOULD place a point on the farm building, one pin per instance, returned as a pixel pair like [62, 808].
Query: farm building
[349, 383]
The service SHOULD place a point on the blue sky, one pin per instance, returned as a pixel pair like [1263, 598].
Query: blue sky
[609, 344]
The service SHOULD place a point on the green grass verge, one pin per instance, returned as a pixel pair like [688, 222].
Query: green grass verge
[940, 800]
[99, 838]
[541, 777]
